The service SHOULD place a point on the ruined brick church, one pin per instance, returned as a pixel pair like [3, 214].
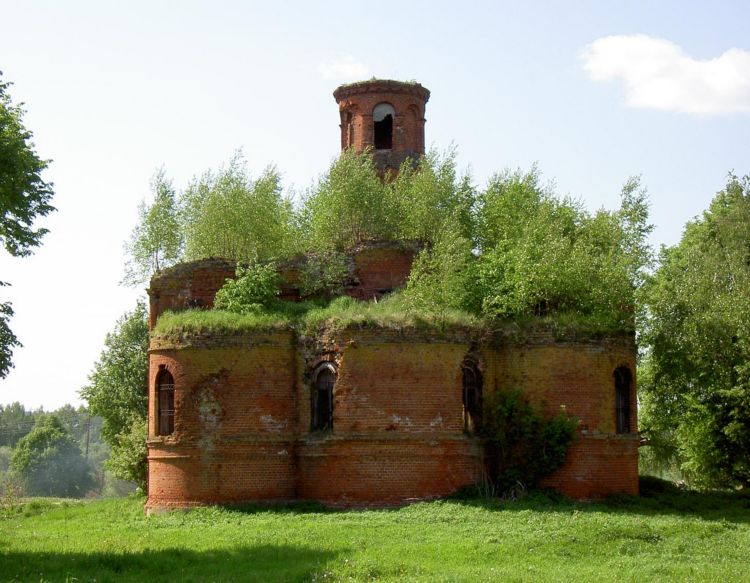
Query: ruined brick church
[367, 416]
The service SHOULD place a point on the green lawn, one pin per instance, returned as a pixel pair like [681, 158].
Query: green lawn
[667, 536]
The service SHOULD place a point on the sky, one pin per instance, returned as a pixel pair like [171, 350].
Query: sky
[592, 92]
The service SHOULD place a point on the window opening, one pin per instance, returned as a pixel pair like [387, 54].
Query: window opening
[165, 396]
[472, 397]
[322, 397]
[349, 129]
[623, 380]
[382, 117]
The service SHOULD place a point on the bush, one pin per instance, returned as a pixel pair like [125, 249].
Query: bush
[255, 287]
[522, 446]
[324, 274]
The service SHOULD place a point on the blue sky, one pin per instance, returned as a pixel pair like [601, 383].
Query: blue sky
[593, 92]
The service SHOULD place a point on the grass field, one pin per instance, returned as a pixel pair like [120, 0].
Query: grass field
[665, 536]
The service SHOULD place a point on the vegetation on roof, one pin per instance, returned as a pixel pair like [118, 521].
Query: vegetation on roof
[218, 322]
[412, 82]
[311, 318]
[511, 251]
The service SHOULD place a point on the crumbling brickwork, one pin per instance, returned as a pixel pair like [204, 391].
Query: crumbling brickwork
[243, 411]
[389, 423]
[376, 269]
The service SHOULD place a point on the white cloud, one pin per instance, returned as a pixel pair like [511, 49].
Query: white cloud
[345, 68]
[657, 74]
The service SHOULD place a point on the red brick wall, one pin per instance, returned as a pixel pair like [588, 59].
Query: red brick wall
[242, 426]
[597, 466]
[577, 378]
[377, 267]
[187, 285]
[344, 470]
[234, 421]
[397, 422]
[357, 101]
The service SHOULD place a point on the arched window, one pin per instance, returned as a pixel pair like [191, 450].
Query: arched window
[472, 396]
[323, 380]
[165, 402]
[383, 116]
[623, 381]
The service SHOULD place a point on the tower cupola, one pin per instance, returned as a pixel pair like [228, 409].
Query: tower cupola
[385, 115]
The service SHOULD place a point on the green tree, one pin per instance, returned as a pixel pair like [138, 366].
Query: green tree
[156, 240]
[442, 275]
[15, 422]
[351, 204]
[227, 214]
[347, 206]
[522, 445]
[118, 385]
[24, 197]
[430, 197]
[541, 254]
[696, 395]
[50, 462]
[128, 458]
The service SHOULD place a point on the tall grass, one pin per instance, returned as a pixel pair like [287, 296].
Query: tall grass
[669, 535]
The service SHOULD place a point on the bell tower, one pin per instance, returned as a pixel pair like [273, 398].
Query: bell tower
[385, 115]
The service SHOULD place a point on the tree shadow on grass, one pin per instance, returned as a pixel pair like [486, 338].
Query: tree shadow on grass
[655, 499]
[251, 563]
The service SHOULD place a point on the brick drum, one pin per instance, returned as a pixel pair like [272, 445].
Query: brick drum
[357, 102]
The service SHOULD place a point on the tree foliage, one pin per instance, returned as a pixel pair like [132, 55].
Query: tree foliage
[8, 340]
[432, 197]
[323, 274]
[696, 395]
[50, 462]
[15, 422]
[227, 214]
[351, 204]
[156, 240]
[118, 385]
[24, 197]
[537, 254]
[442, 275]
[128, 458]
[511, 250]
[347, 206]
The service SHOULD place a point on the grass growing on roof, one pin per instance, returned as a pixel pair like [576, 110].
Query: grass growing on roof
[217, 322]
[392, 312]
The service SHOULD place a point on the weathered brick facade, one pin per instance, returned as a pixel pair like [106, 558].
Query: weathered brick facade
[357, 106]
[245, 405]
[243, 410]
